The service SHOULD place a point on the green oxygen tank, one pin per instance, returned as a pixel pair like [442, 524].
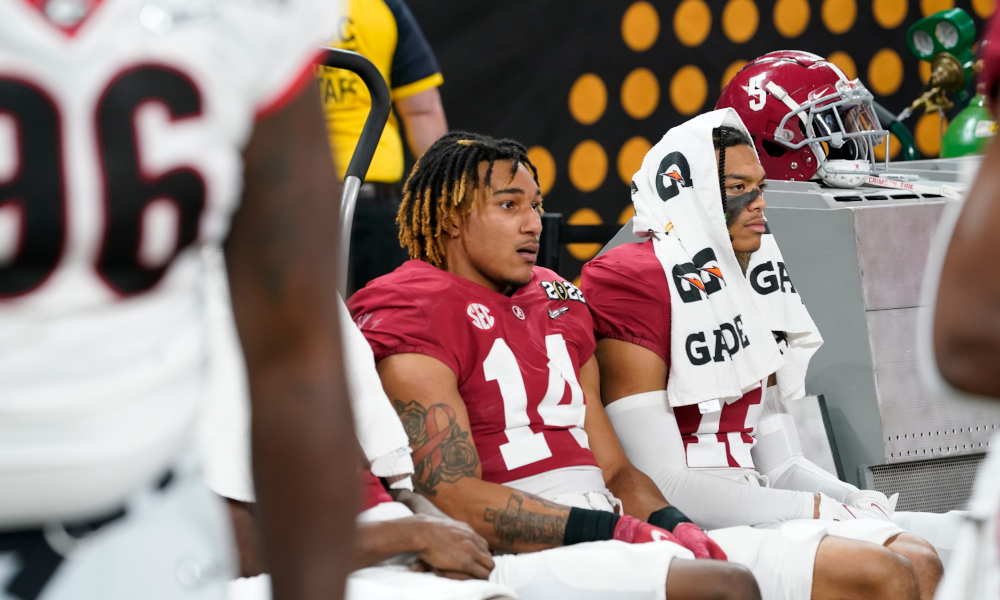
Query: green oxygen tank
[971, 131]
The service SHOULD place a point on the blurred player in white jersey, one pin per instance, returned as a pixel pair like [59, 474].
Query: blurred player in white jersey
[126, 128]
[966, 334]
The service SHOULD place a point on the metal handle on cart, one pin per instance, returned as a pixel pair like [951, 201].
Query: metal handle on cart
[367, 143]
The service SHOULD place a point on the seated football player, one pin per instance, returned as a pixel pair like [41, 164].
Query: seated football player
[394, 538]
[694, 381]
[489, 363]
[770, 94]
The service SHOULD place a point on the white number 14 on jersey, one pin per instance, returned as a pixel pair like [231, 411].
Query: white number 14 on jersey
[525, 446]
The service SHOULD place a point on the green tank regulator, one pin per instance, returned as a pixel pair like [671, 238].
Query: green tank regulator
[945, 40]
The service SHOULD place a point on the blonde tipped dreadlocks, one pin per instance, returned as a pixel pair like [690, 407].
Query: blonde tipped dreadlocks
[446, 178]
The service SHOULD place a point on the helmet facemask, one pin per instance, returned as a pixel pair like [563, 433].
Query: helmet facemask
[841, 129]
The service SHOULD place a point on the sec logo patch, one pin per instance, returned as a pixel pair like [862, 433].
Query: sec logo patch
[480, 316]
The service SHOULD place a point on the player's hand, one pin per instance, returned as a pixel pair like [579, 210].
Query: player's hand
[451, 548]
[863, 504]
[834, 510]
[632, 530]
[697, 541]
[871, 504]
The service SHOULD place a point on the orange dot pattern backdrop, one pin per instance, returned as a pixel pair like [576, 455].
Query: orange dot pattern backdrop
[590, 85]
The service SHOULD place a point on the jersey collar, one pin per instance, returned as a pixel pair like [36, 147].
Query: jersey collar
[473, 286]
[65, 15]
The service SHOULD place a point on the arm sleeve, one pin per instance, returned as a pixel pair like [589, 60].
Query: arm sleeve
[624, 307]
[414, 66]
[797, 473]
[649, 434]
[224, 423]
[778, 454]
[379, 430]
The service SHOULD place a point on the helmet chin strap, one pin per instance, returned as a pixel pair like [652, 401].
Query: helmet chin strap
[846, 178]
[779, 92]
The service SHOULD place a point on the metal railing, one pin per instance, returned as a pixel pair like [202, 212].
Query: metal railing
[367, 143]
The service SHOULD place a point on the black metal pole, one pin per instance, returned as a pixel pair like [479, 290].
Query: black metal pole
[378, 115]
[548, 242]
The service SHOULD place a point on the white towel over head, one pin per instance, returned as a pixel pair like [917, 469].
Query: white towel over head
[721, 342]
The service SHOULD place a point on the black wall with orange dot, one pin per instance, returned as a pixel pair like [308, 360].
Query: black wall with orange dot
[590, 85]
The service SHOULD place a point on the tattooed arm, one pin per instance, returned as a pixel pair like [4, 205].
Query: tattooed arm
[639, 495]
[447, 468]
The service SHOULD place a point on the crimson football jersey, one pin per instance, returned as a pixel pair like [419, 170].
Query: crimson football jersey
[629, 298]
[372, 491]
[517, 359]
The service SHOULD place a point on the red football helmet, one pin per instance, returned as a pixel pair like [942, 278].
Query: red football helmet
[807, 119]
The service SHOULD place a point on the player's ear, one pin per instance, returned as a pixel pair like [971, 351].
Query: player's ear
[450, 223]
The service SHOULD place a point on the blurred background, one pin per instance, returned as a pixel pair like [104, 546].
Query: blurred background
[589, 87]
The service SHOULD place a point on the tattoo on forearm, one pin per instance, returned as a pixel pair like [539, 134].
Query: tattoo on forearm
[514, 524]
[442, 451]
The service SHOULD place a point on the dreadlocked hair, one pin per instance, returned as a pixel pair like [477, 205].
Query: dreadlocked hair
[445, 179]
[726, 137]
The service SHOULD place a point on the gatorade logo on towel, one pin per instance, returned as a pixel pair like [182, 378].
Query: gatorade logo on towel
[673, 174]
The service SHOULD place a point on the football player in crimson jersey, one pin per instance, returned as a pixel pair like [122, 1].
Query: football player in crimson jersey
[489, 362]
[705, 457]
[129, 134]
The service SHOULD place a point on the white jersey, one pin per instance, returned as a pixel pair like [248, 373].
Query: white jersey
[120, 155]
[973, 572]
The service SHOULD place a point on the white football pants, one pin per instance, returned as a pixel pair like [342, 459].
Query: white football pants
[173, 543]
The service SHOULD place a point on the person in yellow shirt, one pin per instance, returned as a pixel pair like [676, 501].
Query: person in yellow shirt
[386, 33]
